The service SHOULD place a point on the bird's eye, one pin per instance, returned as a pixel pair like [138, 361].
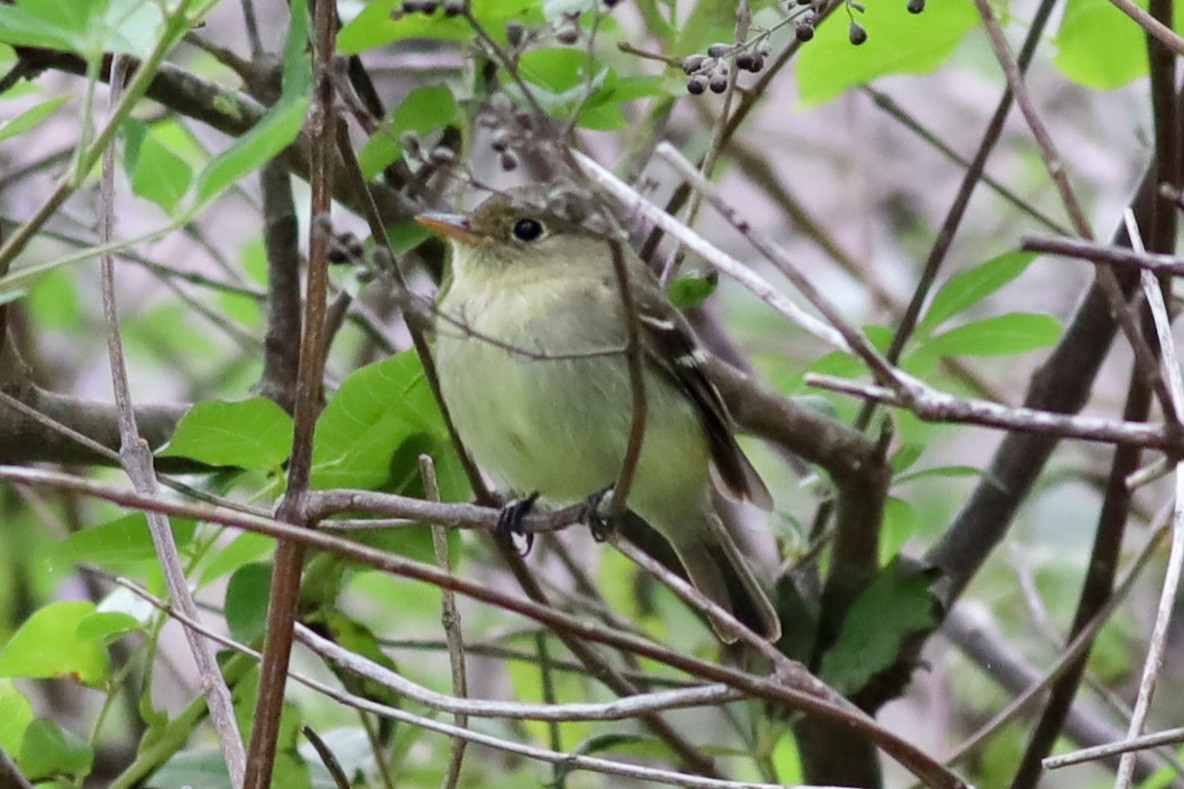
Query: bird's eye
[528, 229]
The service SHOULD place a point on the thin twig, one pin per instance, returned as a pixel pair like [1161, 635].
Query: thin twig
[136, 458]
[567, 760]
[463, 707]
[853, 338]
[1072, 651]
[932, 405]
[893, 109]
[1153, 665]
[450, 620]
[1098, 253]
[782, 665]
[1127, 321]
[1142, 743]
[554, 731]
[718, 132]
[1161, 32]
[633, 358]
[721, 260]
[826, 702]
[289, 556]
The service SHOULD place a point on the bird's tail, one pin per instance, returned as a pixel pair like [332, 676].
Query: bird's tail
[721, 573]
[712, 562]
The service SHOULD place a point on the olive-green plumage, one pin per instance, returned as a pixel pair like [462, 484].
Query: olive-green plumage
[531, 361]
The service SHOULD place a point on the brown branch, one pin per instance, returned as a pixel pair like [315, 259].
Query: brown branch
[228, 111]
[970, 179]
[1096, 589]
[633, 358]
[281, 344]
[1107, 255]
[818, 699]
[136, 459]
[450, 621]
[1145, 358]
[289, 556]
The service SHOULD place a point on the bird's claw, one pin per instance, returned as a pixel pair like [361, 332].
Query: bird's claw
[597, 513]
[510, 519]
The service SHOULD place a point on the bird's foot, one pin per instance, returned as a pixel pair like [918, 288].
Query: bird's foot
[598, 514]
[509, 523]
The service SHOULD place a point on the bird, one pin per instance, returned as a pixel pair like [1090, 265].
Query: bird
[531, 353]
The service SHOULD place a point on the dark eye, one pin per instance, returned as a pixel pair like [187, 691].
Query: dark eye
[528, 229]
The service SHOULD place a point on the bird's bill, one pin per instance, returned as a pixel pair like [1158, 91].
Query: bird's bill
[450, 226]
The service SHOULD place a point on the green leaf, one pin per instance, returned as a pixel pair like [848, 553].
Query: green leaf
[968, 288]
[406, 236]
[48, 751]
[425, 109]
[565, 81]
[53, 24]
[133, 26]
[898, 602]
[1099, 46]
[247, 547]
[1002, 335]
[158, 174]
[53, 298]
[192, 768]
[250, 434]
[898, 43]
[88, 27]
[377, 408]
[279, 126]
[297, 77]
[47, 645]
[359, 639]
[906, 456]
[274, 132]
[900, 523]
[30, 117]
[566, 75]
[120, 541]
[16, 713]
[379, 151]
[246, 601]
[689, 291]
[947, 472]
[106, 626]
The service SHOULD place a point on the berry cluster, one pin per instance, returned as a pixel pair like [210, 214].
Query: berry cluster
[711, 70]
[567, 28]
[509, 129]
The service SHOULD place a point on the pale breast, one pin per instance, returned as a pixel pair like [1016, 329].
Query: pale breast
[557, 422]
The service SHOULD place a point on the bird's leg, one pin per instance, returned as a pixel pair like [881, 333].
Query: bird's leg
[598, 514]
[509, 521]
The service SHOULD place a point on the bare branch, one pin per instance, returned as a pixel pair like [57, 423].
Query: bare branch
[450, 620]
[136, 459]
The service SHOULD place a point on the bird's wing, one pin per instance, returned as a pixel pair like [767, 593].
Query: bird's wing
[671, 346]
